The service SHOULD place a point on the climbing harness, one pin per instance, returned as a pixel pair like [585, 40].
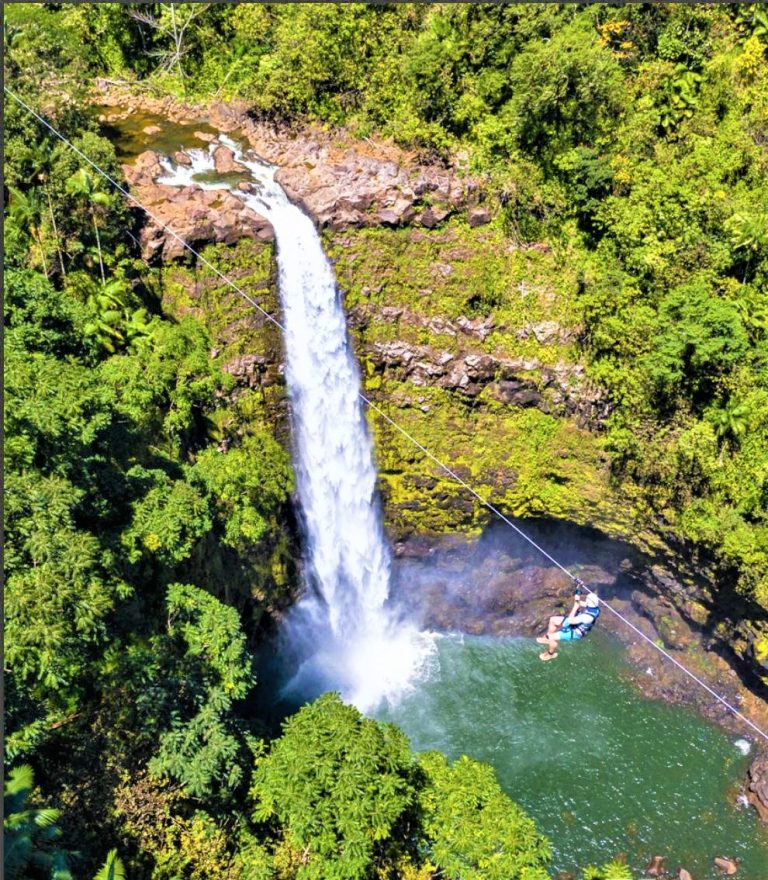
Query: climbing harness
[444, 467]
[584, 628]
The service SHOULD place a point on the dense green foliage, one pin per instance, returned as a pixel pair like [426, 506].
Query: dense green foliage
[634, 136]
[338, 783]
[146, 512]
[114, 490]
[351, 800]
[30, 834]
[471, 831]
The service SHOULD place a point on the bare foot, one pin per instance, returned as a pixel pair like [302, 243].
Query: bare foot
[547, 656]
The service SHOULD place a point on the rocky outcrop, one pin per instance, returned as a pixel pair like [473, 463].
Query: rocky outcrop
[197, 216]
[339, 181]
[254, 370]
[757, 792]
[560, 389]
[362, 190]
[476, 328]
[546, 332]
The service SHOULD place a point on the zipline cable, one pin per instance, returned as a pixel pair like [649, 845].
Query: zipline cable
[390, 420]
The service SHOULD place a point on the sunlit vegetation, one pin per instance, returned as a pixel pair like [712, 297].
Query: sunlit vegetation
[148, 527]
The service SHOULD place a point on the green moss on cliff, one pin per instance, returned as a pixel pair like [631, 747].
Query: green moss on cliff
[457, 271]
[238, 330]
[236, 326]
[522, 461]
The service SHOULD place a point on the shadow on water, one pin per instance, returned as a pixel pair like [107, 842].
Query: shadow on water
[276, 664]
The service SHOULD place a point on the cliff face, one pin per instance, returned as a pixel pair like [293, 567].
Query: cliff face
[513, 416]
[468, 339]
[469, 342]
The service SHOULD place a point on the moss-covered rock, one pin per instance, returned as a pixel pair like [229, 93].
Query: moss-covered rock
[236, 325]
[459, 288]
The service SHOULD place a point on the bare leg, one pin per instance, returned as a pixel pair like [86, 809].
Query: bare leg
[555, 624]
[551, 651]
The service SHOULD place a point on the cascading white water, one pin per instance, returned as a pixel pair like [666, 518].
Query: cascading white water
[347, 638]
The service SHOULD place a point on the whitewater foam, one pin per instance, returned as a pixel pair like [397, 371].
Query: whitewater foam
[343, 632]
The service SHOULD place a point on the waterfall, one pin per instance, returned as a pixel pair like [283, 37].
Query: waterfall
[345, 636]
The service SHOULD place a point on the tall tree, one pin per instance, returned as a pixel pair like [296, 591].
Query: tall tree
[171, 24]
[84, 184]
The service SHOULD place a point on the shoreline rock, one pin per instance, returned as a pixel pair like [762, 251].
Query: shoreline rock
[757, 788]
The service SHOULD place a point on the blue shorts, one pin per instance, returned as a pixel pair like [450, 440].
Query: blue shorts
[568, 634]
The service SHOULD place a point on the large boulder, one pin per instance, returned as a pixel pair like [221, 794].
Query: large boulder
[758, 785]
[224, 161]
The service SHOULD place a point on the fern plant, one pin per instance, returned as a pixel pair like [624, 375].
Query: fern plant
[30, 833]
[112, 869]
[613, 870]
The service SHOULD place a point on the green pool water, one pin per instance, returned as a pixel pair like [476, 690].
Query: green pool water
[129, 138]
[602, 770]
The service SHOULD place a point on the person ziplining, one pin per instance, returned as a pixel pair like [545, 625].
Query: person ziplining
[572, 627]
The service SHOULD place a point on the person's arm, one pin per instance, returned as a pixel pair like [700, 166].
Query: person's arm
[572, 618]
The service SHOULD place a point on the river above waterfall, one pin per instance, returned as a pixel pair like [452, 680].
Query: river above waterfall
[601, 770]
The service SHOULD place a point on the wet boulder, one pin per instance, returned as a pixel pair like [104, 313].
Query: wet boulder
[727, 865]
[758, 786]
[196, 216]
[655, 868]
[224, 161]
[144, 168]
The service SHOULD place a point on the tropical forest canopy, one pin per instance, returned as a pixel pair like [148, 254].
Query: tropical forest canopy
[145, 550]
